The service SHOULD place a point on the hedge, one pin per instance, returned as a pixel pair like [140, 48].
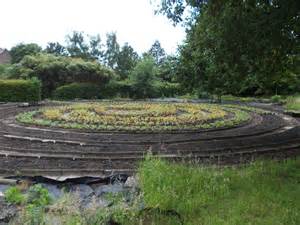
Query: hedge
[20, 90]
[77, 91]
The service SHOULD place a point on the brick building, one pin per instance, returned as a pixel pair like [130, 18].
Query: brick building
[5, 57]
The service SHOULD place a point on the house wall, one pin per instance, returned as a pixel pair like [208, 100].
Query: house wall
[5, 57]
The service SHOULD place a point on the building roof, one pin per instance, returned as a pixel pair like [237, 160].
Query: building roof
[2, 50]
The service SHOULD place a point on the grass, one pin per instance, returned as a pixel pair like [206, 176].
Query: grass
[293, 103]
[265, 193]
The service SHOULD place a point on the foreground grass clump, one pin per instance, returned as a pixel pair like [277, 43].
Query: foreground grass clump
[293, 103]
[265, 193]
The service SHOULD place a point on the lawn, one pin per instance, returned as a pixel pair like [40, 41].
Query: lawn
[293, 103]
[264, 193]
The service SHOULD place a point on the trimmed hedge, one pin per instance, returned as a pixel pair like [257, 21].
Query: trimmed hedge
[77, 90]
[20, 90]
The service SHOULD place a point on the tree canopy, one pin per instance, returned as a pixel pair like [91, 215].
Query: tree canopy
[240, 47]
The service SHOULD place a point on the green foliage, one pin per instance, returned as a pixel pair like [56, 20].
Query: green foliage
[38, 196]
[157, 52]
[276, 98]
[56, 48]
[239, 47]
[4, 68]
[293, 103]
[168, 89]
[143, 78]
[126, 61]
[20, 90]
[19, 51]
[14, 195]
[112, 50]
[55, 71]
[77, 91]
[210, 196]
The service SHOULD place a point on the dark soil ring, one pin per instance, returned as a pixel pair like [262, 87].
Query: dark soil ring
[31, 150]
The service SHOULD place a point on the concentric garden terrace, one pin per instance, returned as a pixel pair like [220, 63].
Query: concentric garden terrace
[102, 138]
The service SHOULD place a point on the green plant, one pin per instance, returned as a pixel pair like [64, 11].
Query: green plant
[139, 116]
[263, 193]
[54, 71]
[142, 79]
[293, 103]
[14, 195]
[20, 90]
[38, 196]
[77, 90]
[276, 98]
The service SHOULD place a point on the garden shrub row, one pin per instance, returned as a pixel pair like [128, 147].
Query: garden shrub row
[20, 90]
[77, 91]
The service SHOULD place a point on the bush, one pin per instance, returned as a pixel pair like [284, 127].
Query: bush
[20, 90]
[77, 90]
[14, 195]
[167, 89]
[55, 71]
[276, 98]
[143, 78]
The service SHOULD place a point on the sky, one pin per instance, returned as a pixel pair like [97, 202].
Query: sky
[43, 21]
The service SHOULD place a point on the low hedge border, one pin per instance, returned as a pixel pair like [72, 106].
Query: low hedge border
[20, 90]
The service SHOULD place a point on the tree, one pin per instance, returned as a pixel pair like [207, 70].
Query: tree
[126, 60]
[143, 78]
[95, 48]
[167, 71]
[112, 50]
[77, 46]
[241, 47]
[157, 52]
[55, 71]
[56, 48]
[19, 51]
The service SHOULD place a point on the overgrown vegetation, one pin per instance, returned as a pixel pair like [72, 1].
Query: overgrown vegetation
[238, 47]
[263, 193]
[77, 91]
[266, 192]
[293, 103]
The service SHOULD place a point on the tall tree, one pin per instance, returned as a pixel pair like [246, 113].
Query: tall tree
[157, 52]
[126, 61]
[112, 50]
[19, 51]
[56, 48]
[143, 78]
[77, 46]
[95, 47]
[239, 46]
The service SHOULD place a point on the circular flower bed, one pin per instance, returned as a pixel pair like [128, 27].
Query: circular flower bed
[138, 116]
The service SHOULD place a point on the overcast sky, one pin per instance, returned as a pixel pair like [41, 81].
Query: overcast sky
[42, 21]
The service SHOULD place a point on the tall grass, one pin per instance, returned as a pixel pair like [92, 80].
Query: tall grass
[293, 103]
[264, 193]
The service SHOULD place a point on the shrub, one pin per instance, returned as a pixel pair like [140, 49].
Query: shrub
[14, 195]
[20, 90]
[55, 71]
[38, 196]
[77, 90]
[143, 78]
[168, 89]
[276, 98]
